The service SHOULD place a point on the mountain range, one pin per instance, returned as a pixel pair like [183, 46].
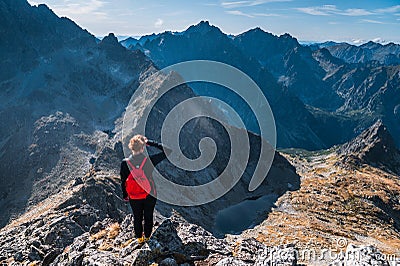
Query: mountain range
[388, 54]
[63, 100]
[319, 89]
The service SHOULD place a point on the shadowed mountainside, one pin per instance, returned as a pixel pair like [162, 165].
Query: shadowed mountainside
[61, 90]
[318, 100]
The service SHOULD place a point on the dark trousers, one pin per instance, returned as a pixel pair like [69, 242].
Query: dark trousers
[143, 209]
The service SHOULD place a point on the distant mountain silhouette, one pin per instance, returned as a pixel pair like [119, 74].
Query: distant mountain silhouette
[291, 64]
[318, 99]
[295, 123]
[388, 54]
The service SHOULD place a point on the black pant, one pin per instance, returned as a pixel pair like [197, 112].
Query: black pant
[143, 208]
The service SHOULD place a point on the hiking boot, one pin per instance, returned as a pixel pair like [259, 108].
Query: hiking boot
[141, 240]
[146, 239]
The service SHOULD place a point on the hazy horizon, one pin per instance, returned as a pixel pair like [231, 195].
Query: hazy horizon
[304, 42]
[354, 22]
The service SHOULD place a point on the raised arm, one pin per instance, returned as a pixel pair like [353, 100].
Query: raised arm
[157, 158]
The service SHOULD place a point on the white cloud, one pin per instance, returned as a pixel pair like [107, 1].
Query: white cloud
[312, 11]
[239, 13]
[379, 40]
[79, 7]
[392, 9]
[358, 41]
[327, 10]
[251, 15]
[372, 21]
[329, 7]
[266, 15]
[324, 10]
[210, 4]
[355, 12]
[362, 41]
[83, 12]
[236, 4]
[159, 22]
[260, 2]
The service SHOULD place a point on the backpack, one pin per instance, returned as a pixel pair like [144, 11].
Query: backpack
[137, 184]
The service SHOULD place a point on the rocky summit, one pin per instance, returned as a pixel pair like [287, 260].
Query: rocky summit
[174, 242]
[335, 210]
[374, 146]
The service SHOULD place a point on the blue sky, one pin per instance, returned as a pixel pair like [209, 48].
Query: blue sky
[354, 21]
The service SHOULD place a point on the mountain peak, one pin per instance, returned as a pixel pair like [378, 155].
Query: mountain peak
[374, 146]
[257, 29]
[202, 27]
[371, 45]
[203, 23]
[257, 32]
[288, 37]
[110, 40]
[129, 42]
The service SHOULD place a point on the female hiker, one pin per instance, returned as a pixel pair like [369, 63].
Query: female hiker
[138, 185]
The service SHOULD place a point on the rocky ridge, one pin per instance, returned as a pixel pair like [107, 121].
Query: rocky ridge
[388, 54]
[344, 205]
[174, 242]
[374, 146]
[207, 42]
[324, 92]
[87, 223]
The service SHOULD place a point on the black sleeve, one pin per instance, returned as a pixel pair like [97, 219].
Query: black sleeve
[124, 173]
[157, 158]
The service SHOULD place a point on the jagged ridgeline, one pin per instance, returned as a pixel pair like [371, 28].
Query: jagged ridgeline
[63, 96]
[318, 99]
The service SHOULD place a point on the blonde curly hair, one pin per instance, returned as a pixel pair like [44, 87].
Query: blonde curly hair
[137, 143]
